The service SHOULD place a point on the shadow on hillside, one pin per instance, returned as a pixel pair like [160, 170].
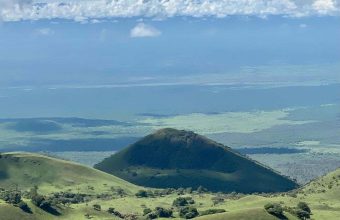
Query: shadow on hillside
[3, 175]
[3, 169]
[52, 210]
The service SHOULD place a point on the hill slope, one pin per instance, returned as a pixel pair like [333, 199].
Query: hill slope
[322, 195]
[26, 170]
[174, 158]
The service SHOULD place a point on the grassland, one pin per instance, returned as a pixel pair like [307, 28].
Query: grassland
[322, 195]
[25, 170]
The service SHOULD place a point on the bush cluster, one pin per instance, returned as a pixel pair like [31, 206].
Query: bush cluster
[302, 211]
[274, 209]
[158, 212]
[143, 194]
[42, 202]
[169, 191]
[11, 197]
[188, 212]
[15, 198]
[68, 198]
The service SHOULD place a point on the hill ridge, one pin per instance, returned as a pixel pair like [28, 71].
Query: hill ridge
[26, 170]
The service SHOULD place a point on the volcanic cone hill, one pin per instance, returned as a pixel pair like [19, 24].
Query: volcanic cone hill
[178, 158]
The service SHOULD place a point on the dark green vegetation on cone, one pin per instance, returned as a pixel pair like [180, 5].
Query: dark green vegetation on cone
[178, 158]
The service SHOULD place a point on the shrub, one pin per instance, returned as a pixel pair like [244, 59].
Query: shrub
[11, 197]
[159, 212]
[142, 194]
[217, 200]
[188, 212]
[112, 211]
[151, 215]
[301, 214]
[303, 206]
[274, 209]
[183, 201]
[163, 213]
[37, 200]
[212, 211]
[146, 211]
[97, 207]
[121, 192]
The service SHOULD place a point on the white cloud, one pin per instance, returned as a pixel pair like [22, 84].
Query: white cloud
[325, 6]
[144, 30]
[14, 3]
[82, 10]
[303, 25]
[45, 31]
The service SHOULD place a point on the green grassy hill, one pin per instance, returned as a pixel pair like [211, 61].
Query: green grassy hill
[53, 175]
[174, 158]
[324, 196]
[25, 170]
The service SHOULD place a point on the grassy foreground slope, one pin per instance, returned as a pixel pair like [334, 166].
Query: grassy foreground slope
[53, 175]
[322, 195]
[178, 158]
[26, 170]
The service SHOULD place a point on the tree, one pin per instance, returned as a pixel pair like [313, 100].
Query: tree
[303, 211]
